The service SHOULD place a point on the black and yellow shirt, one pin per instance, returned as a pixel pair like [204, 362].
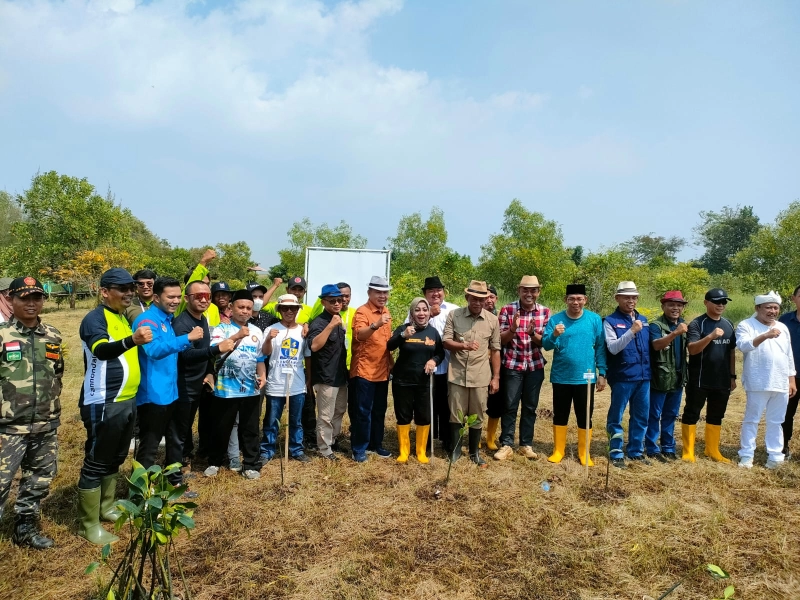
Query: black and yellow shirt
[110, 358]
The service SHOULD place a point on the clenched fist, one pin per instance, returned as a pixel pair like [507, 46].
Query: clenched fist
[277, 281]
[273, 333]
[196, 334]
[143, 335]
[637, 326]
[241, 334]
[226, 346]
[558, 330]
[717, 333]
[773, 332]
[409, 332]
[336, 321]
[208, 256]
[681, 329]
[385, 317]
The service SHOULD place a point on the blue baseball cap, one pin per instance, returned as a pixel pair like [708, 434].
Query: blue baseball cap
[220, 286]
[330, 290]
[116, 276]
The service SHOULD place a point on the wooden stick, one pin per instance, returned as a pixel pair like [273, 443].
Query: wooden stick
[430, 430]
[588, 420]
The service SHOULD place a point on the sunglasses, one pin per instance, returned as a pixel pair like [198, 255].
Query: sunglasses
[723, 302]
[144, 284]
[334, 300]
[289, 308]
[200, 296]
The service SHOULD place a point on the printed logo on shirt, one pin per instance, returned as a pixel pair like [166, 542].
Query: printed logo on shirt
[621, 326]
[164, 327]
[289, 348]
[52, 351]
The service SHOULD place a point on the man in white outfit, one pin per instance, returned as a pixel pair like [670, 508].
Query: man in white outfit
[768, 378]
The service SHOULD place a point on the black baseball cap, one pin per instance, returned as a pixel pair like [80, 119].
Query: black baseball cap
[220, 286]
[717, 295]
[23, 286]
[297, 281]
[256, 286]
[116, 276]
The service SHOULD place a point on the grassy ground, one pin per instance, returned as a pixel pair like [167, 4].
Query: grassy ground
[376, 531]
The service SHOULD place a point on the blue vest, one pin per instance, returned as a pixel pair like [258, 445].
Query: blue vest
[633, 362]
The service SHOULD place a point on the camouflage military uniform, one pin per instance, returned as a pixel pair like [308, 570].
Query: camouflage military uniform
[31, 366]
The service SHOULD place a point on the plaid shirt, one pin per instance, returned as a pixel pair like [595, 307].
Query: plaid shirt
[520, 354]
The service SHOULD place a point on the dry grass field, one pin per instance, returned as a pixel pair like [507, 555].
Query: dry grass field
[375, 531]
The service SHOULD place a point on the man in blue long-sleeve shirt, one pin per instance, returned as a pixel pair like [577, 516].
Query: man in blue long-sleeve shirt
[158, 390]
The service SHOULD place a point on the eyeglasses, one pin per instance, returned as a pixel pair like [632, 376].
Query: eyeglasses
[200, 296]
[144, 284]
[290, 308]
[336, 300]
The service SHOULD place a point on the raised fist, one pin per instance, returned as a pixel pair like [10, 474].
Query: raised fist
[717, 333]
[637, 326]
[336, 321]
[773, 332]
[196, 334]
[208, 256]
[558, 330]
[681, 329]
[385, 317]
[277, 281]
[409, 331]
[273, 333]
[241, 334]
[226, 346]
[143, 335]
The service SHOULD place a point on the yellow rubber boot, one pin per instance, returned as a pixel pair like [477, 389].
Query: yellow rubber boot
[491, 433]
[583, 450]
[405, 442]
[422, 442]
[712, 444]
[559, 443]
[688, 433]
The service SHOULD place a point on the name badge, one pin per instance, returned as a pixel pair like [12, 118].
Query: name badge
[588, 377]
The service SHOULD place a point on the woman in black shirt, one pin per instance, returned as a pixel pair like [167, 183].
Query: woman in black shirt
[421, 351]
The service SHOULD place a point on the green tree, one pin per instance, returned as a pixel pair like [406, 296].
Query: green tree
[304, 234]
[63, 217]
[771, 260]
[723, 234]
[10, 213]
[601, 272]
[577, 255]
[684, 276]
[528, 244]
[654, 250]
[232, 263]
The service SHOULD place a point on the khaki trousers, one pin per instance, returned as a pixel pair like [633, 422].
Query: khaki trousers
[470, 401]
[331, 406]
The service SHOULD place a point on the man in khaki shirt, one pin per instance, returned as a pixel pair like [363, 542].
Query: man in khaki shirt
[472, 335]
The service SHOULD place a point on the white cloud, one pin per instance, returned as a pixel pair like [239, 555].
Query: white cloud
[284, 81]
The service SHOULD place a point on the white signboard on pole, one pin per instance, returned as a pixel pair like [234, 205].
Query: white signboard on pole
[356, 267]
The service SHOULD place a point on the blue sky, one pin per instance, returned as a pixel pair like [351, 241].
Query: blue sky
[221, 121]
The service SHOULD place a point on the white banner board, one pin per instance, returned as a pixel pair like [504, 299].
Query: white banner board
[356, 267]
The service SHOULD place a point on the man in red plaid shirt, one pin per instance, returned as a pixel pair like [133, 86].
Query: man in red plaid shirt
[522, 368]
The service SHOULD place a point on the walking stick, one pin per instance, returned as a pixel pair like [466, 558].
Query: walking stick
[431, 430]
[589, 377]
[289, 372]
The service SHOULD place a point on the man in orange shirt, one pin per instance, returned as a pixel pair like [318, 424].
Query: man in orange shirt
[369, 372]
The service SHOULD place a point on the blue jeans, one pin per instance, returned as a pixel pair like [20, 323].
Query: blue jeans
[272, 421]
[664, 407]
[366, 405]
[524, 386]
[637, 393]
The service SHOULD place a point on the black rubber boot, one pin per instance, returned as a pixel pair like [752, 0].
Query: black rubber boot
[474, 441]
[455, 451]
[26, 533]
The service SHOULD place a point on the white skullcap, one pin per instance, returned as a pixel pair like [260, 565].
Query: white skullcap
[767, 298]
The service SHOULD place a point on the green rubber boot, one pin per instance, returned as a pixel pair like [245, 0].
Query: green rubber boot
[89, 518]
[108, 498]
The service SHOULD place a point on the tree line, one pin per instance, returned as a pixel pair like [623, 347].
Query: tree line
[62, 229]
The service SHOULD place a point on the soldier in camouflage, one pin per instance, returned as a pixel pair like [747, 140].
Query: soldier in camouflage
[31, 366]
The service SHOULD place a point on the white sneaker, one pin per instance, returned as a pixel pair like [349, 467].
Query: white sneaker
[773, 464]
[746, 463]
[504, 453]
[211, 471]
[251, 474]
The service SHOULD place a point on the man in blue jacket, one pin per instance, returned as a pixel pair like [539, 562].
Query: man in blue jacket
[158, 390]
[628, 374]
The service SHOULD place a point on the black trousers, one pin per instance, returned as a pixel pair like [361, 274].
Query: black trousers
[440, 426]
[788, 421]
[412, 402]
[308, 417]
[223, 412]
[167, 421]
[564, 397]
[109, 429]
[697, 397]
[198, 408]
[496, 403]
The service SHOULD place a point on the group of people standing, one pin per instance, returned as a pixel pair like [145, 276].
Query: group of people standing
[158, 354]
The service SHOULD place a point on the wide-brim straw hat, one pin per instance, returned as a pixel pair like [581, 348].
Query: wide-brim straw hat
[479, 289]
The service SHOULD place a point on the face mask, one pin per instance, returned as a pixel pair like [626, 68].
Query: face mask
[258, 303]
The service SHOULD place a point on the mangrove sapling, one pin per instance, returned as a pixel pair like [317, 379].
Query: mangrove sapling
[154, 519]
[713, 570]
[616, 436]
[466, 422]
